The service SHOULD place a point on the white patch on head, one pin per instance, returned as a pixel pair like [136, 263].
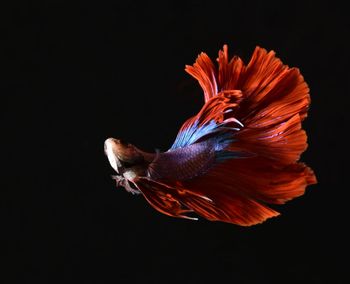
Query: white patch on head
[113, 160]
[130, 175]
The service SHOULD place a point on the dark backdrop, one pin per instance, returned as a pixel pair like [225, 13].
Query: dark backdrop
[76, 74]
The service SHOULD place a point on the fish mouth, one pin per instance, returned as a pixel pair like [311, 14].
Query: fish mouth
[112, 157]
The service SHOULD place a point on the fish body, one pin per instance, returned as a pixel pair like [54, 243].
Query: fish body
[184, 163]
[237, 155]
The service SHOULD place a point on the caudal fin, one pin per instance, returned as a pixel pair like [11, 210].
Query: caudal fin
[273, 102]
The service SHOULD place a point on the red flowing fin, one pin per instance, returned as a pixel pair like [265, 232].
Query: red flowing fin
[258, 178]
[229, 73]
[282, 143]
[269, 101]
[175, 200]
[216, 107]
[210, 119]
[241, 188]
[275, 101]
[228, 205]
[214, 81]
[172, 199]
[236, 196]
[160, 196]
[270, 87]
[204, 71]
[233, 208]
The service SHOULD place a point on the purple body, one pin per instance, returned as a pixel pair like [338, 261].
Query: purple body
[183, 163]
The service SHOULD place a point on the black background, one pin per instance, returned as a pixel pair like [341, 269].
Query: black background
[77, 73]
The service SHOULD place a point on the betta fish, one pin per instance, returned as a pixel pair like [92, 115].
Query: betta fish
[239, 154]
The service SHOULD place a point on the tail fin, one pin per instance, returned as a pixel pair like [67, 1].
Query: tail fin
[273, 103]
[276, 100]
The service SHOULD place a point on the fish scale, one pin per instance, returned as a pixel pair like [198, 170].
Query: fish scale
[184, 163]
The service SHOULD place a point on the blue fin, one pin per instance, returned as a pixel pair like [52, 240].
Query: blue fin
[192, 134]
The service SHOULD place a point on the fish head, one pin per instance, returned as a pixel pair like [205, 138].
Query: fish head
[122, 155]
